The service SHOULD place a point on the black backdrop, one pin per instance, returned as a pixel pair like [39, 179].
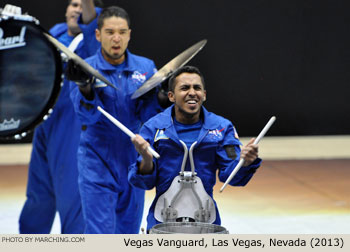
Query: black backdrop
[285, 58]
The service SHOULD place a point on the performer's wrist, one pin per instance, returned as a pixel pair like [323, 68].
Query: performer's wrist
[146, 166]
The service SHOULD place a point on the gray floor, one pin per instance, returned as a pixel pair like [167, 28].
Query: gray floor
[303, 187]
[284, 197]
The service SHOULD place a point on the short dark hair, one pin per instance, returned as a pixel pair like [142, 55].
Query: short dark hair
[184, 69]
[112, 11]
[98, 3]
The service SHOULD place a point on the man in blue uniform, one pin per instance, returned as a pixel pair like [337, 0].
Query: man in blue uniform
[212, 142]
[110, 204]
[53, 174]
[80, 20]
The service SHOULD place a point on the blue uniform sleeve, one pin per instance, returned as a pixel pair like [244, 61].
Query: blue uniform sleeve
[148, 181]
[39, 209]
[226, 164]
[85, 109]
[58, 29]
[90, 44]
[148, 105]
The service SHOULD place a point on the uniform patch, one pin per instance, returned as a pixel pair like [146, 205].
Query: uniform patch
[230, 151]
[139, 76]
[160, 135]
[216, 133]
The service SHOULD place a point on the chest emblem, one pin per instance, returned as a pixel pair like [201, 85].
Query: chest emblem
[139, 77]
[216, 133]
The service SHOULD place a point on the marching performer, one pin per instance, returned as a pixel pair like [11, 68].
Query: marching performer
[110, 204]
[193, 145]
[53, 174]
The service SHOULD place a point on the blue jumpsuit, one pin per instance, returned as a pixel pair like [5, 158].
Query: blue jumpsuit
[209, 156]
[53, 174]
[110, 203]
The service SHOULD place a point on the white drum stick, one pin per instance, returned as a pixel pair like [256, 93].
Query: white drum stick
[124, 129]
[241, 162]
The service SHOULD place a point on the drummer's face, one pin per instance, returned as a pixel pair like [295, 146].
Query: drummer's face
[188, 96]
[114, 37]
[73, 12]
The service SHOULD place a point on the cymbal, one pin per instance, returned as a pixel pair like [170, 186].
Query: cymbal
[167, 70]
[77, 60]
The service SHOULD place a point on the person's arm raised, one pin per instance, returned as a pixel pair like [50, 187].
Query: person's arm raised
[89, 12]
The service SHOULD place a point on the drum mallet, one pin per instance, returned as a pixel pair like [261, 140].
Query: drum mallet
[124, 129]
[241, 162]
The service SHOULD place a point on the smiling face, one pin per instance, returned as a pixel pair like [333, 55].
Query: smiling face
[188, 97]
[73, 12]
[114, 36]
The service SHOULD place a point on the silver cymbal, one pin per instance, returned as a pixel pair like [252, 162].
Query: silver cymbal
[166, 71]
[77, 60]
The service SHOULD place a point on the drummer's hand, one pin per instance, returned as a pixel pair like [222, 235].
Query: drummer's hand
[75, 73]
[141, 145]
[249, 152]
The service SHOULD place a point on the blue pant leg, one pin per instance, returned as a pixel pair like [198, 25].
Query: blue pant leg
[130, 211]
[99, 211]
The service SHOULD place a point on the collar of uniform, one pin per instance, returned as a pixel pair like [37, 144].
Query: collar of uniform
[206, 115]
[105, 65]
[208, 122]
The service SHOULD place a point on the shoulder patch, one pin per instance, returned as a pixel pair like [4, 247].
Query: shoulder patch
[230, 151]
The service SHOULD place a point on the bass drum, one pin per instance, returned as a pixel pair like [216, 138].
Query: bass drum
[187, 228]
[30, 76]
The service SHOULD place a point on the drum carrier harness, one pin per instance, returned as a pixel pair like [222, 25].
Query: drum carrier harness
[186, 199]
